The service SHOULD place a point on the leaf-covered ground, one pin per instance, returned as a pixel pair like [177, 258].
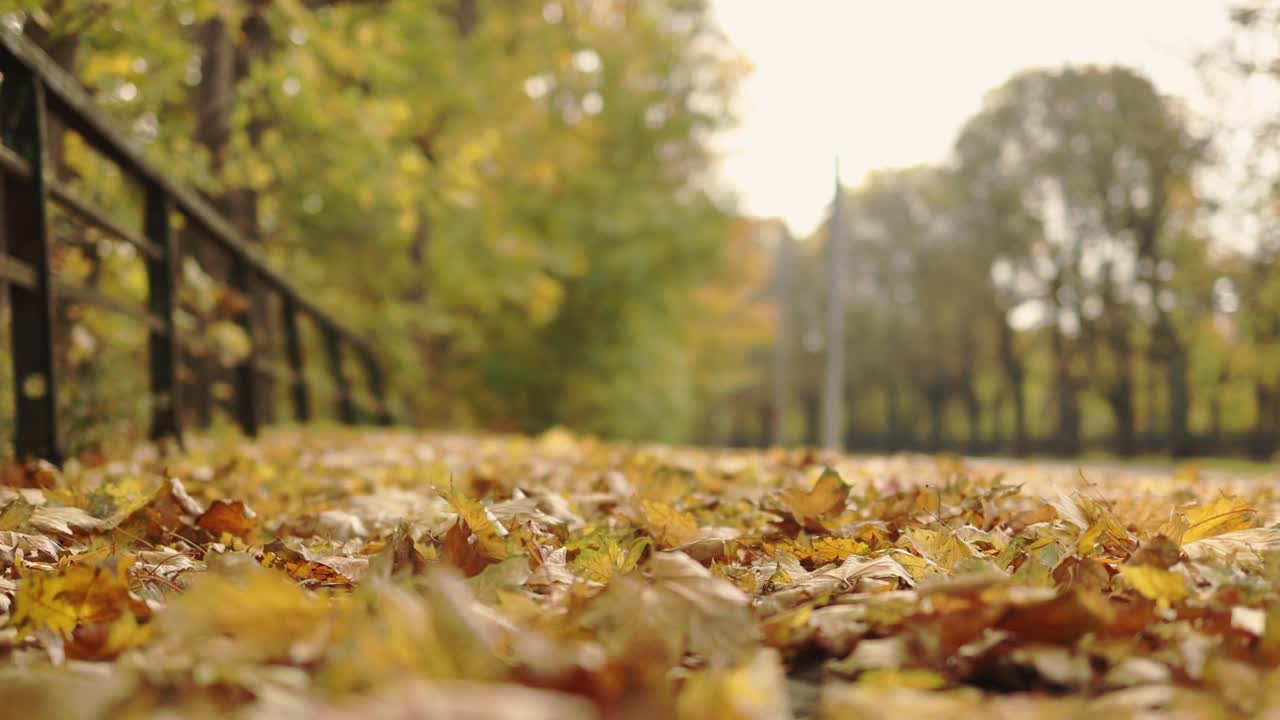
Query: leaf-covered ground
[371, 575]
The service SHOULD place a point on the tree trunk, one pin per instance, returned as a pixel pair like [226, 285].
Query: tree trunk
[973, 412]
[1215, 418]
[892, 409]
[1013, 372]
[211, 102]
[812, 418]
[853, 440]
[996, 441]
[1019, 412]
[213, 97]
[780, 385]
[1262, 442]
[1157, 426]
[1067, 432]
[936, 399]
[1121, 400]
[766, 424]
[1120, 391]
[739, 424]
[1180, 440]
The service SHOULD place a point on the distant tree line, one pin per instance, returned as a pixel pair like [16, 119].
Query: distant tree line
[1092, 269]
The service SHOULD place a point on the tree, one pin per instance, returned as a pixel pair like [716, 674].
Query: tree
[1099, 161]
[511, 197]
[1243, 72]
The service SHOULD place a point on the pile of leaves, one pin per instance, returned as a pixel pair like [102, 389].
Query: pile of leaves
[336, 574]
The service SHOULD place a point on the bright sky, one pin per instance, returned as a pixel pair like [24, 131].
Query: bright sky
[889, 84]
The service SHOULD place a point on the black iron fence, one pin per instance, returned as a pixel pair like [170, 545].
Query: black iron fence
[33, 89]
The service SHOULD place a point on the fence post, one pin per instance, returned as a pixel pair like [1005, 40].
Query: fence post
[246, 373]
[293, 347]
[26, 233]
[333, 348]
[162, 344]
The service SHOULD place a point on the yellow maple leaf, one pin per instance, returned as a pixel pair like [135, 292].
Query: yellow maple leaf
[743, 580]
[1223, 515]
[943, 548]
[15, 515]
[827, 498]
[83, 595]
[916, 565]
[1165, 587]
[835, 549]
[602, 564]
[126, 632]
[780, 574]
[40, 605]
[928, 501]
[1105, 528]
[668, 526]
[489, 533]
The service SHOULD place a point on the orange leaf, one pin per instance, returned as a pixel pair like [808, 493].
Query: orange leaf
[231, 517]
[826, 499]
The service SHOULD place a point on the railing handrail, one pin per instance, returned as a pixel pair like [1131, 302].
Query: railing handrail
[76, 108]
[34, 86]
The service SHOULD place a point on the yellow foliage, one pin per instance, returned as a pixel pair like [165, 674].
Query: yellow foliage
[255, 614]
[543, 298]
[752, 690]
[603, 563]
[668, 526]
[823, 549]
[83, 597]
[830, 548]
[940, 546]
[353, 592]
[781, 629]
[1223, 515]
[910, 679]
[826, 499]
[1165, 587]
[488, 532]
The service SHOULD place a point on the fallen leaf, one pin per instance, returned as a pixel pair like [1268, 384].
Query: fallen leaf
[912, 679]
[15, 515]
[1165, 587]
[63, 520]
[489, 534]
[1237, 546]
[418, 700]
[754, 689]
[1223, 515]
[89, 607]
[230, 517]
[827, 498]
[34, 546]
[944, 548]
[668, 526]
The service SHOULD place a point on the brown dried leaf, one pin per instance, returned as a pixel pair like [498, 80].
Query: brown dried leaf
[231, 517]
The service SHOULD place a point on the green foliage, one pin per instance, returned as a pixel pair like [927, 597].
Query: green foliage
[510, 197]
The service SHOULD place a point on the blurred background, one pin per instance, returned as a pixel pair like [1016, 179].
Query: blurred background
[1052, 229]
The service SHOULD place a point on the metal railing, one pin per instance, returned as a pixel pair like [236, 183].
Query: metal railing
[33, 88]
